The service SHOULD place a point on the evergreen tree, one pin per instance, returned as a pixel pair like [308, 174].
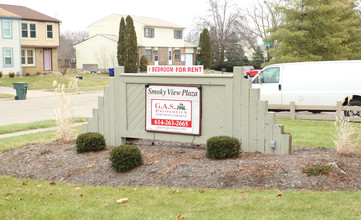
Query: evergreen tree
[258, 58]
[121, 53]
[206, 49]
[131, 46]
[143, 63]
[316, 30]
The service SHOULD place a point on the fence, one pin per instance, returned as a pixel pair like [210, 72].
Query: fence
[229, 107]
[338, 109]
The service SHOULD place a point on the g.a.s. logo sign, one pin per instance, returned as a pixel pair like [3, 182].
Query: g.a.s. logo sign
[173, 109]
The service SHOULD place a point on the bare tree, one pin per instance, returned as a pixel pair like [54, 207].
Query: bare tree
[225, 22]
[262, 16]
[66, 50]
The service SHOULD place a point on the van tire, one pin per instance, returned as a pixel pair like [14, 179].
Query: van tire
[353, 113]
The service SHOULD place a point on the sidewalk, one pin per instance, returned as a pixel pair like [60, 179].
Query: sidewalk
[35, 131]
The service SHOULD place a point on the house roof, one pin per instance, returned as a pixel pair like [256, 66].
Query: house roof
[186, 44]
[155, 22]
[147, 21]
[107, 36]
[27, 13]
[5, 13]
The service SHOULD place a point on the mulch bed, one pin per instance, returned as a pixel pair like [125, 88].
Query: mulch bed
[179, 165]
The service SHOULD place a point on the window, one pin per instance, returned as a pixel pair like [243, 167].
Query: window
[8, 57]
[270, 75]
[148, 53]
[24, 30]
[177, 54]
[28, 30]
[156, 55]
[149, 32]
[32, 31]
[49, 31]
[28, 57]
[178, 34]
[7, 28]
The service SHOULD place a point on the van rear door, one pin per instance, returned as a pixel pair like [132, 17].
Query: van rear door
[269, 81]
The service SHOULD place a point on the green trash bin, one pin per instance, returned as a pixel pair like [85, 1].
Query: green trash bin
[21, 90]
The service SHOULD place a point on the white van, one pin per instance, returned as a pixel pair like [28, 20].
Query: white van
[311, 83]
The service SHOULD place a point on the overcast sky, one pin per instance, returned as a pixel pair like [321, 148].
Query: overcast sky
[76, 15]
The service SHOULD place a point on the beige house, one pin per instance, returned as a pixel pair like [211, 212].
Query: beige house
[161, 41]
[39, 39]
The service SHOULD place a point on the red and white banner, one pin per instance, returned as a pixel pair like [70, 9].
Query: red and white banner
[173, 109]
[175, 69]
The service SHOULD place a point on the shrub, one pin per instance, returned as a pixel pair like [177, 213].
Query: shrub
[125, 157]
[38, 73]
[346, 138]
[227, 65]
[220, 147]
[11, 75]
[27, 74]
[143, 63]
[90, 141]
[1, 74]
[317, 169]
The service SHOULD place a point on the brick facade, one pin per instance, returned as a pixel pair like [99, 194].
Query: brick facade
[163, 56]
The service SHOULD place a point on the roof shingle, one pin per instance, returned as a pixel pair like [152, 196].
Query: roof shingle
[27, 13]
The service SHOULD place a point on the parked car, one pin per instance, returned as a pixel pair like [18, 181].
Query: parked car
[249, 71]
[311, 83]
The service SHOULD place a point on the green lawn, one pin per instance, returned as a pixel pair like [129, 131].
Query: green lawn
[307, 133]
[35, 199]
[90, 82]
[5, 96]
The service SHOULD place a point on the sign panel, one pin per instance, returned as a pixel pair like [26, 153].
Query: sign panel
[173, 109]
[175, 69]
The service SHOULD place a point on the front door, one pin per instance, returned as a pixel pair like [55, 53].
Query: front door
[189, 59]
[47, 60]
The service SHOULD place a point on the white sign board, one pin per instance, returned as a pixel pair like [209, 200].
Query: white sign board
[175, 69]
[173, 109]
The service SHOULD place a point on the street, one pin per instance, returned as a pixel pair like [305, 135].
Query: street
[39, 106]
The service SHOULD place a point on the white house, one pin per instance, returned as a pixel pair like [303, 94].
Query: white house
[161, 41]
[10, 45]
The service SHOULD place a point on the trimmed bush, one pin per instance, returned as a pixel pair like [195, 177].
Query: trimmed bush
[91, 141]
[11, 75]
[228, 65]
[125, 157]
[1, 74]
[220, 147]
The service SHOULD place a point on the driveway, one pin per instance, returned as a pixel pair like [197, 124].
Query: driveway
[38, 106]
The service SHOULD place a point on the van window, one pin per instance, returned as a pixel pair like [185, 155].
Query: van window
[270, 75]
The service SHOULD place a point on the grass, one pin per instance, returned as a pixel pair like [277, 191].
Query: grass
[90, 82]
[33, 199]
[4, 96]
[309, 133]
[5, 129]
[40, 138]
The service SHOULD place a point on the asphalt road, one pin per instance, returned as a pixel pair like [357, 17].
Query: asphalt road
[39, 106]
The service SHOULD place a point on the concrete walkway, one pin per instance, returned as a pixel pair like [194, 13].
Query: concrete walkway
[35, 131]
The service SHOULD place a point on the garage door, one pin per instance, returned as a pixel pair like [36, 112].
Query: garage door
[189, 59]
